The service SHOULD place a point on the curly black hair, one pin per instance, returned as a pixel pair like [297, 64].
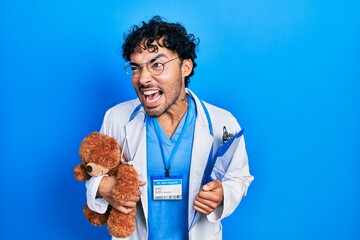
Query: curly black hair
[173, 36]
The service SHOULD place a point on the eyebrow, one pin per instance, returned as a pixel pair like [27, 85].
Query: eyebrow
[151, 60]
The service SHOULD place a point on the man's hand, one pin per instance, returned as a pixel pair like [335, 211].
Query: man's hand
[209, 198]
[105, 190]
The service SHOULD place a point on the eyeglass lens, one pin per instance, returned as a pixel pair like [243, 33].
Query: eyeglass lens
[155, 67]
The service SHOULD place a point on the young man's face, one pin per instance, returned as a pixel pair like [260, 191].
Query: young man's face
[158, 93]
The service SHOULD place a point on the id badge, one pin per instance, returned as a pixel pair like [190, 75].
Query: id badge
[167, 188]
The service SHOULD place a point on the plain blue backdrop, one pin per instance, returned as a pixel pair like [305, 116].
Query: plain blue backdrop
[288, 70]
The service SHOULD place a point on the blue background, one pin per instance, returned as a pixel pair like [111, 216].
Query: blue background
[288, 70]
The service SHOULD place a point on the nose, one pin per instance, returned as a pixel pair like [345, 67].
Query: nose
[89, 169]
[144, 76]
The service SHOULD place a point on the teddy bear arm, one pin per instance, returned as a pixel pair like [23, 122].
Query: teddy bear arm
[127, 183]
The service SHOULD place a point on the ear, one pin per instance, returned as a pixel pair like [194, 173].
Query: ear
[186, 67]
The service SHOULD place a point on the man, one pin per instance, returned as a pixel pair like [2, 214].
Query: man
[168, 134]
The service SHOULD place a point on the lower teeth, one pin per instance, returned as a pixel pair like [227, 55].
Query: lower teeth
[152, 100]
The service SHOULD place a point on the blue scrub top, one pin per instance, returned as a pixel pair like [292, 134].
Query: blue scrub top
[168, 219]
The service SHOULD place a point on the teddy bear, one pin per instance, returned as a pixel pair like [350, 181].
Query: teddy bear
[100, 155]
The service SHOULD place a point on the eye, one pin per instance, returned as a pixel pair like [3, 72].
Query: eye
[156, 65]
[135, 68]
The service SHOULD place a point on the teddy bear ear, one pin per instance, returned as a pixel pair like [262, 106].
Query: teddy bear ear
[87, 144]
[80, 173]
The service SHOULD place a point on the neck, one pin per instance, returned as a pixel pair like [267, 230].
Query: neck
[172, 117]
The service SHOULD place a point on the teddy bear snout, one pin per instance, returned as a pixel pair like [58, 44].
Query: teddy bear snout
[89, 169]
[94, 169]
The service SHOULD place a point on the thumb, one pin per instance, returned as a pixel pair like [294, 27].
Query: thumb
[209, 186]
[142, 183]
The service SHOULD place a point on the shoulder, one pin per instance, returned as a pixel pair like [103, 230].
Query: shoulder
[120, 114]
[122, 109]
[214, 111]
[218, 115]
[222, 116]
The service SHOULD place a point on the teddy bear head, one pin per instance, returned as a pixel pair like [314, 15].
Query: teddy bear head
[99, 153]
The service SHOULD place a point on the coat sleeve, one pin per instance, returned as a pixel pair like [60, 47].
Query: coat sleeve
[96, 204]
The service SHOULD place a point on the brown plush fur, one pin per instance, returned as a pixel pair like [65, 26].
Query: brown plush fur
[100, 154]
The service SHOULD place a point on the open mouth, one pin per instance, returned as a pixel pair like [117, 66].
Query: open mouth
[152, 96]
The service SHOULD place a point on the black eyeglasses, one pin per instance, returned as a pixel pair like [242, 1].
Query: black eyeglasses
[154, 66]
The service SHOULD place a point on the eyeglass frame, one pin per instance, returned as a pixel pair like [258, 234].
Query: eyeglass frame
[138, 65]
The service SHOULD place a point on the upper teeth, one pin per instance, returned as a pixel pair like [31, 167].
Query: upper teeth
[150, 92]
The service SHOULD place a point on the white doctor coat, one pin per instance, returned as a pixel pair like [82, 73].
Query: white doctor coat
[131, 136]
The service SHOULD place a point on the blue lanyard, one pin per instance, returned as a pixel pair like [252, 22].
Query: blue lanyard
[168, 161]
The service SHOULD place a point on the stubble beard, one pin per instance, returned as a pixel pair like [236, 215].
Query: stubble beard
[170, 99]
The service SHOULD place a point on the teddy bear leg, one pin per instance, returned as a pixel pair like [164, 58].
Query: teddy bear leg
[121, 225]
[96, 219]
